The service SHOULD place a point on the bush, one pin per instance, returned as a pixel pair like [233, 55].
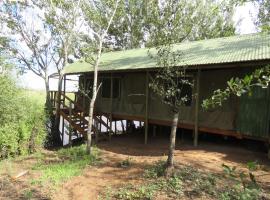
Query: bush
[22, 118]
[156, 170]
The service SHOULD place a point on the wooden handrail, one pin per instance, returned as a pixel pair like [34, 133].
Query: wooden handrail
[103, 123]
[72, 101]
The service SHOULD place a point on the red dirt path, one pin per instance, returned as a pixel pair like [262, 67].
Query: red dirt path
[208, 157]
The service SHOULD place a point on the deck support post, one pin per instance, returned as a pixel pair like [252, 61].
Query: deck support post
[69, 127]
[98, 128]
[84, 91]
[123, 128]
[196, 120]
[111, 104]
[107, 122]
[63, 120]
[115, 127]
[64, 90]
[146, 107]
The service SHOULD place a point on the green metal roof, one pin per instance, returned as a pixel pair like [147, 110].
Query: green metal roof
[241, 48]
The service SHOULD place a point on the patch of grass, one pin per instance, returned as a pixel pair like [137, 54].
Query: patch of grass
[28, 194]
[156, 170]
[189, 182]
[71, 162]
[130, 192]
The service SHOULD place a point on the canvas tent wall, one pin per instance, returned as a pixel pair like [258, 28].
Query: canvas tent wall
[219, 60]
[231, 116]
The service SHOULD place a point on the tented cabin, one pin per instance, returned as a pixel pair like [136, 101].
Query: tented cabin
[125, 94]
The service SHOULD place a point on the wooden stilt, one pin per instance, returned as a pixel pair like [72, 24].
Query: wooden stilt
[107, 122]
[123, 128]
[146, 107]
[84, 91]
[111, 104]
[63, 130]
[70, 128]
[115, 126]
[196, 128]
[64, 91]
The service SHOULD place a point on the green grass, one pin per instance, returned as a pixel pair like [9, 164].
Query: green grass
[36, 95]
[187, 182]
[69, 162]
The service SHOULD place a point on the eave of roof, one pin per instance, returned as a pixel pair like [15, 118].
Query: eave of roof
[235, 49]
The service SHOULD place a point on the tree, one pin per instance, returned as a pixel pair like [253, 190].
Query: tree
[168, 24]
[171, 84]
[99, 16]
[263, 18]
[63, 19]
[27, 42]
[141, 21]
[130, 32]
[239, 86]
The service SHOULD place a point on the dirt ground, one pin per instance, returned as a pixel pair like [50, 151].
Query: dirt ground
[209, 156]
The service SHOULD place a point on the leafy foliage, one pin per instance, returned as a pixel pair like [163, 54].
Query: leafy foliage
[148, 23]
[171, 81]
[263, 19]
[244, 185]
[22, 119]
[239, 86]
[156, 170]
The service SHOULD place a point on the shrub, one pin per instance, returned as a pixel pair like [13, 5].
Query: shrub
[156, 170]
[22, 129]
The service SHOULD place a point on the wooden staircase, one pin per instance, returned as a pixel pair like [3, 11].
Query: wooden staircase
[74, 114]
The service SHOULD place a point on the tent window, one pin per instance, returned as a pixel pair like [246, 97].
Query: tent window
[106, 88]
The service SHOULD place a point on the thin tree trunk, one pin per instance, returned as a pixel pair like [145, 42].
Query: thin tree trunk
[57, 115]
[47, 89]
[170, 160]
[95, 88]
[93, 99]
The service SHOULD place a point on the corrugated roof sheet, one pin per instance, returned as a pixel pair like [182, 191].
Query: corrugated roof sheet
[250, 47]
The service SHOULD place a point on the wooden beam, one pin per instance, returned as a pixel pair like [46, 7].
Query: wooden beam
[70, 127]
[115, 126]
[123, 128]
[197, 102]
[63, 129]
[189, 126]
[84, 90]
[111, 106]
[64, 96]
[146, 107]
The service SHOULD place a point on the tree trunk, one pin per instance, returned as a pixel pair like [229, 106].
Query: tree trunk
[56, 133]
[95, 88]
[170, 160]
[93, 99]
[47, 89]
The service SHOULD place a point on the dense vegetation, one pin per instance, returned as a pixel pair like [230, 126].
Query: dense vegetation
[22, 116]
